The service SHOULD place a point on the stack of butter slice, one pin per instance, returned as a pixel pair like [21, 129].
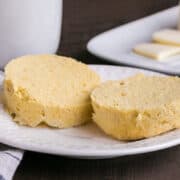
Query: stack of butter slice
[156, 51]
[166, 44]
[167, 36]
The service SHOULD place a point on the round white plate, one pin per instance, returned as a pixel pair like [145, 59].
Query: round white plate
[86, 141]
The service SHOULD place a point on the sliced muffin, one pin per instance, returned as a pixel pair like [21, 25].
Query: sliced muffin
[137, 107]
[49, 89]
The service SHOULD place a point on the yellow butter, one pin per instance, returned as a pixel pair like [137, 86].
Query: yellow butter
[167, 36]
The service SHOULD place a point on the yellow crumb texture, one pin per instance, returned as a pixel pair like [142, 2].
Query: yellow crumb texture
[137, 107]
[49, 89]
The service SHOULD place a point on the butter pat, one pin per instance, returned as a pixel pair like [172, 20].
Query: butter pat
[49, 89]
[137, 107]
[167, 36]
[156, 51]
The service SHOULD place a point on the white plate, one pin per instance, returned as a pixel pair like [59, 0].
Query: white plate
[116, 45]
[86, 141]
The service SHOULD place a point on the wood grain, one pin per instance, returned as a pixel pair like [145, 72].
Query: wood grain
[82, 19]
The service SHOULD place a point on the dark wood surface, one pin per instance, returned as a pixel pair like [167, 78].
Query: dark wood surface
[82, 20]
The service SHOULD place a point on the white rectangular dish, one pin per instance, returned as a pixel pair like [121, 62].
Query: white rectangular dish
[116, 45]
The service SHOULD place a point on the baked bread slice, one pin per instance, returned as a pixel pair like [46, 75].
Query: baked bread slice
[49, 89]
[137, 107]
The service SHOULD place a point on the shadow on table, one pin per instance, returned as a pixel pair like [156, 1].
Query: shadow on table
[157, 165]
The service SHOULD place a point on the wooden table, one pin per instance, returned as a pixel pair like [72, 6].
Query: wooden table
[82, 20]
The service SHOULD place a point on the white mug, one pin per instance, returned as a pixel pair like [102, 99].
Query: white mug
[29, 27]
